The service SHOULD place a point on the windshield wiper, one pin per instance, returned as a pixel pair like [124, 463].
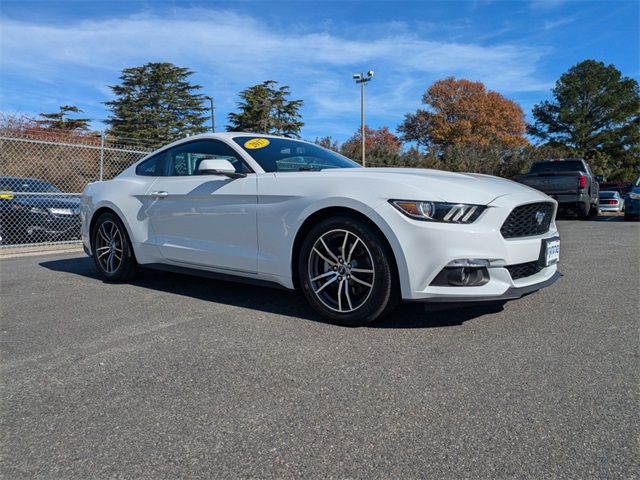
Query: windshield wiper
[308, 168]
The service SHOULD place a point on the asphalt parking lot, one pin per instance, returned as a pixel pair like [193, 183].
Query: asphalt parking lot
[181, 377]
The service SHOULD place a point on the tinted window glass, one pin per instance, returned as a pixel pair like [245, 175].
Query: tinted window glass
[286, 155]
[184, 160]
[608, 194]
[151, 167]
[559, 166]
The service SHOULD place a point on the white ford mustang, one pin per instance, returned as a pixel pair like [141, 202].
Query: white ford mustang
[355, 240]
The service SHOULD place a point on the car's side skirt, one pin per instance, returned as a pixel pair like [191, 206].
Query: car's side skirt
[215, 275]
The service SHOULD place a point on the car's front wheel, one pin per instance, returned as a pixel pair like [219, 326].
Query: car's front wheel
[112, 251]
[346, 272]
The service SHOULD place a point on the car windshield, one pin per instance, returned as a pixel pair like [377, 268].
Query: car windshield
[558, 166]
[13, 184]
[287, 155]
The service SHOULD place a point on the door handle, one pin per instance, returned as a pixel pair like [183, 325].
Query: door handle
[160, 194]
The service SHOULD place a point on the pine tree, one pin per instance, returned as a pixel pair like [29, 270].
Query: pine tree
[60, 120]
[264, 108]
[156, 103]
[595, 114]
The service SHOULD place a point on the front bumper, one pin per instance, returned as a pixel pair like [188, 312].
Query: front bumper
[31, 224]
[512, 293]
[428, 247]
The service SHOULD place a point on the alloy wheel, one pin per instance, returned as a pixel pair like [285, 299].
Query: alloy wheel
[341, 271]
[109, 246]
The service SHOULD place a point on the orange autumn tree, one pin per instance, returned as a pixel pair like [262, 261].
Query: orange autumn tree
[381, 145]
[465, 113]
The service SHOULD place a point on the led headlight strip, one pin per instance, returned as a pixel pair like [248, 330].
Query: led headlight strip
[439, 211]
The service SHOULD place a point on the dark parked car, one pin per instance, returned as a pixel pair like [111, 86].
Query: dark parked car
[632, 202]
[33, 210]
[570, 181]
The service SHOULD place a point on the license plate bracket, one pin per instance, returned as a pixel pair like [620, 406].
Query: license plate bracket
[549, 252]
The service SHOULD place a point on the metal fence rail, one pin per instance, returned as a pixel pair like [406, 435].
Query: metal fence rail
[41, 180]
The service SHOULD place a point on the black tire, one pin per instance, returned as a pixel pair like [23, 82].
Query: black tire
[367, 296]
[583, 211]
[594, 211]
[122, 269]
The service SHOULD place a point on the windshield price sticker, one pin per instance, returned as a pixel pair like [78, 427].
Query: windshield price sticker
[256, 143]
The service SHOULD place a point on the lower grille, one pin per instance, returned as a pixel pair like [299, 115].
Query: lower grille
[523, 270]
[528, 220]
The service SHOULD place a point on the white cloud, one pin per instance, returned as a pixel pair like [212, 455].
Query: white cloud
[231, 51]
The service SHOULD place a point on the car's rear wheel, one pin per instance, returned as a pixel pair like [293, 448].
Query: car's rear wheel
[346, 272]
[583, 210]
[112, 251]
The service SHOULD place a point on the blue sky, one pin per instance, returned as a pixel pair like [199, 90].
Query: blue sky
[55, 53]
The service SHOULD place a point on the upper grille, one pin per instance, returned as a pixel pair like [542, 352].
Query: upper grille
[523, 270]
[524, 221]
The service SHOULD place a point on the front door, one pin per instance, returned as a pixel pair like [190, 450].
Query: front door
[204, 220]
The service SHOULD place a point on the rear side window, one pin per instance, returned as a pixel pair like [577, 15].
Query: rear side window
[151, 167]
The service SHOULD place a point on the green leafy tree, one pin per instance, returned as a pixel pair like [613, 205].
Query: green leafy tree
[595, 114]
[60, 120]
[156, 103]
[265, 108]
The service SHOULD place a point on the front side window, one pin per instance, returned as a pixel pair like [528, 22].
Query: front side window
[184, 160]
[286, 155]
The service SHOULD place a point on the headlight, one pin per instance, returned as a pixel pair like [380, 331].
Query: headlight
[439, 211]
[42, 211]
[634, 195]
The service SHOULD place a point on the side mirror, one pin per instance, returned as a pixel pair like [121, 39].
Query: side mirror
[219, 167]
[599, 178]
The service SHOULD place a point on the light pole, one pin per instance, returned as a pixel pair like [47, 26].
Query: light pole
[361, 78]
[213, 124]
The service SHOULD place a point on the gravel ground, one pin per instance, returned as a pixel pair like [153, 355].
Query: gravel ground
[180, 377]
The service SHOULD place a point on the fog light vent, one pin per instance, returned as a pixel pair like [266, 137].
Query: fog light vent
[461, 277]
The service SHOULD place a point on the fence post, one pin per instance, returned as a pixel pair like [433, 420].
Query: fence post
[101, 154]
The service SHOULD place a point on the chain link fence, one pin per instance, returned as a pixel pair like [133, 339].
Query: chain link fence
[42, 177]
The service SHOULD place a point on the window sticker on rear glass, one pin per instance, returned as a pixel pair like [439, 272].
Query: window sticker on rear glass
[256, 143]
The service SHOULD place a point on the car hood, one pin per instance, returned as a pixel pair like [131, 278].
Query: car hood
[47, 201]
[438, 185]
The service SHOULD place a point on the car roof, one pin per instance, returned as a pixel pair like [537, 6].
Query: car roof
[224, 136]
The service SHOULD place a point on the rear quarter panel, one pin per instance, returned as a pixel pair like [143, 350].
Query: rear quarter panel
[126, 197]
